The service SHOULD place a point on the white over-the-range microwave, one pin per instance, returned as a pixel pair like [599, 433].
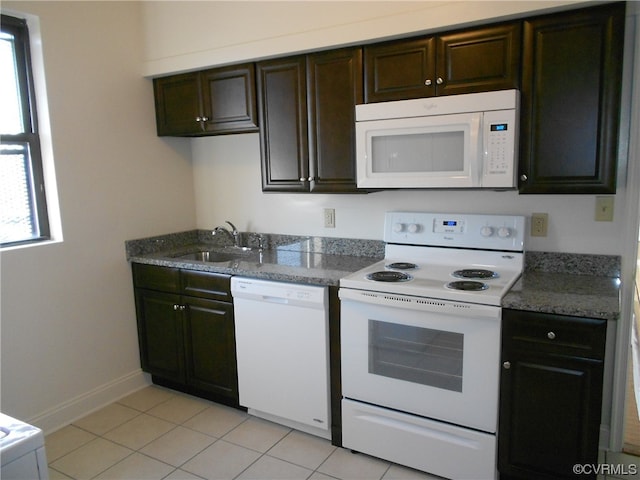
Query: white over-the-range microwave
[457, 141]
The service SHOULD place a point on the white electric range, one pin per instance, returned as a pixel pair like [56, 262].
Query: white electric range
[420, 341]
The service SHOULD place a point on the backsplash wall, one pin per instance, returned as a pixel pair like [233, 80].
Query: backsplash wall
[228, 187]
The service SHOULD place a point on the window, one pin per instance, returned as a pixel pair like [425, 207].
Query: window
[23, 209]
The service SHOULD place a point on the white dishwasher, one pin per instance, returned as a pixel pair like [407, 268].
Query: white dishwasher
[283, 352]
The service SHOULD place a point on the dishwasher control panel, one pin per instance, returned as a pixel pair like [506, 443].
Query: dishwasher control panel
[310, 296]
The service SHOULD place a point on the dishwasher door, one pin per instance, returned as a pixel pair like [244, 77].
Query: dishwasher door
[283, 352]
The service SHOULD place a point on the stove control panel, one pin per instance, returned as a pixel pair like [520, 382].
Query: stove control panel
[495, 232]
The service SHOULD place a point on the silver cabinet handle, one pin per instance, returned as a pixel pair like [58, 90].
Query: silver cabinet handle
[506, 365]
[551, 336]
[524, 178]
[439, 81]
[427, 82]
[302, 179]
[198, 119]
[176, 307]
[310, 179]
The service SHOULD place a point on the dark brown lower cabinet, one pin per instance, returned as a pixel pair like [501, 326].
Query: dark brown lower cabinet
[550, 394]
[210, 346]
[160, 334]
[187, 342]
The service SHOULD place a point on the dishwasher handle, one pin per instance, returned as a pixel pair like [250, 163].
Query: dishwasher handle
[272, 299]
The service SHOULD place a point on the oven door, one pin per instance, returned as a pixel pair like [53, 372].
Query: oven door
[433, 358]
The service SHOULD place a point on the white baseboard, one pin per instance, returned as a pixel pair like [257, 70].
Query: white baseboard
[67, 412]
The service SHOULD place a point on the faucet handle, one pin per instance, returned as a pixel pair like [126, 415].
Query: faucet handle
[233, 227]
[260, 238]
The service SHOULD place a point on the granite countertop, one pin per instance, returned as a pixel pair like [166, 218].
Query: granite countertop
[568, 284]
[559, 283]
[313, 260]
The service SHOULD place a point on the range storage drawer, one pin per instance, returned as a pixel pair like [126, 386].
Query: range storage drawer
[556, 334]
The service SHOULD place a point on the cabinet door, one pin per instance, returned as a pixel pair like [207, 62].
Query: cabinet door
[549, 416]
[572, 68]
[210, 346]
[334, 88]
[479, 60]
[178, 104]
[282, 113]
[228, 97]
[399, 70]
[160, 334]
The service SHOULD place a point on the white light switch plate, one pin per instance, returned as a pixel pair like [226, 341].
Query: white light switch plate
[604, 209]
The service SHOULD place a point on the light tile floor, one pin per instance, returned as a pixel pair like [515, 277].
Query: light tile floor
[157, 433]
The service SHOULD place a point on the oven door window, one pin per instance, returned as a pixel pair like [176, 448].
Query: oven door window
[415, 354]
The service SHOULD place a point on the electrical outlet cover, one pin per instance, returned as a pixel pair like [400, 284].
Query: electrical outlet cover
[539, 224]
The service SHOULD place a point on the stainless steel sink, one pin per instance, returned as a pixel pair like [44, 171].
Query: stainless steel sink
[216, 256]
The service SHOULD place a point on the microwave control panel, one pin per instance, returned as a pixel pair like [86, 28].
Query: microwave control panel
[499, 147]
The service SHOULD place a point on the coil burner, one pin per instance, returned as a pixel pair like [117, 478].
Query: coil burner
[467, 285]
[402, 266]
[475, 273]
[389, 276]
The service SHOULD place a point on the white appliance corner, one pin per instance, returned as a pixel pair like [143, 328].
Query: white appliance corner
[77, 407]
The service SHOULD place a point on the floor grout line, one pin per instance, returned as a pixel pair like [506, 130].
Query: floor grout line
[319, 461]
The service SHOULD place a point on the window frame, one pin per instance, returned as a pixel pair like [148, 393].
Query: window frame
[30, 136]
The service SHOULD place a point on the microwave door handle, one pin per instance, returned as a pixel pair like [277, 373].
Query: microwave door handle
[476, 150]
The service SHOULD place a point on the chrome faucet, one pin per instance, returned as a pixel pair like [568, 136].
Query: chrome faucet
[234, 234]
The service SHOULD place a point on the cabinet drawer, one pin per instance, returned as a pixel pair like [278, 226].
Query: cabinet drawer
[152, 277]
[556, 334]
[215, 286]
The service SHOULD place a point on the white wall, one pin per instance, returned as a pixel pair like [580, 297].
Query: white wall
[227, 186]
[219, 32]
[68, 323]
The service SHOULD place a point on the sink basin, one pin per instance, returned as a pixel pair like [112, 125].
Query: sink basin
[209, 256]
[216, 256]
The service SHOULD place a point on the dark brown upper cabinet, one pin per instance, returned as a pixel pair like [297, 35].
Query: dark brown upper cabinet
[467, 61]
[334, 87]
[282, 110]
[210, 102]
[570, 101]
[306, 107]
